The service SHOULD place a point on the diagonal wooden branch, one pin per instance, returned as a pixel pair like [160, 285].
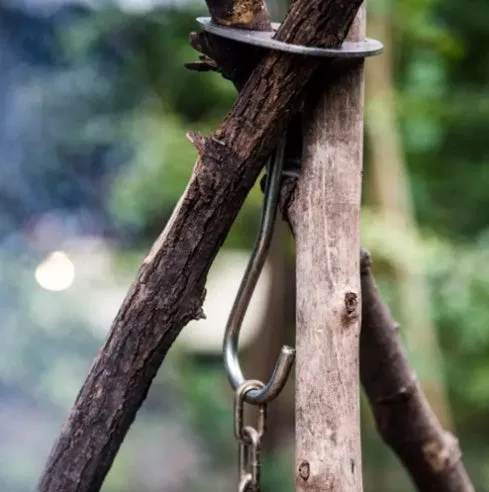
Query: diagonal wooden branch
[403, 415]
[169, 288]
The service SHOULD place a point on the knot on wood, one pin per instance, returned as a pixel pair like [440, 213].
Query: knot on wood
[351, 303]
[304, 470]
[442, 454]
[351, 308]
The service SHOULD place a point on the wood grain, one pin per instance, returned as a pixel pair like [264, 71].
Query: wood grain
[325, 213]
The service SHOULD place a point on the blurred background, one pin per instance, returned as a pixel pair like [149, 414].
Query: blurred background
[94, 106]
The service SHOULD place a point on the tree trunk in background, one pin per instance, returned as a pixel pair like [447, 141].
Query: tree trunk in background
[393, 196]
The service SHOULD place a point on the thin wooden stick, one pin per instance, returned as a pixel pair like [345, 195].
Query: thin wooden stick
[325, 215]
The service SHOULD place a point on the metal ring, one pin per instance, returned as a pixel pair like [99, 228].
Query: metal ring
[249, 460]
[239, 400]
[264, 39]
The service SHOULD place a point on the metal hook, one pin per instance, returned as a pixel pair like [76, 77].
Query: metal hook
[231, 337]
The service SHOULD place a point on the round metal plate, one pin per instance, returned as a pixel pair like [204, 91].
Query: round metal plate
[362, 49]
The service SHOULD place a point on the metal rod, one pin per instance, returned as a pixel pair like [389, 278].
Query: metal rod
[231, 337]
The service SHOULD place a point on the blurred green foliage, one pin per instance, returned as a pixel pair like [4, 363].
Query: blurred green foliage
[442, 75]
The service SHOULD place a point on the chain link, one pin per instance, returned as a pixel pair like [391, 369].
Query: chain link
[249, 438]
[249, 461]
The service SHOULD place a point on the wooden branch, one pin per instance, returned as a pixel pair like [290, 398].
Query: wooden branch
[325, 215]
[169, 288]
[403, 415]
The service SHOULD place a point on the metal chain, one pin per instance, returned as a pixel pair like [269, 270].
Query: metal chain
[249, 438]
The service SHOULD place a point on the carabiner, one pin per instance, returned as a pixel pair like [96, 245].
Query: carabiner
[257, 259]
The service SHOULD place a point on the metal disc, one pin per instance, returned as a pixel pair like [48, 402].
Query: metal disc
[264, 39]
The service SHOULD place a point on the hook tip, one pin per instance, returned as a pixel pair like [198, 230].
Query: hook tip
[288, 352]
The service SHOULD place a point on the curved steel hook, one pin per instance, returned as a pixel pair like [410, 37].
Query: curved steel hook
[253, 269]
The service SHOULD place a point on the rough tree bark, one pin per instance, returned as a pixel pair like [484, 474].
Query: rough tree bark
[324, 211]
[407, 424]
[169, 288]
[402, 413]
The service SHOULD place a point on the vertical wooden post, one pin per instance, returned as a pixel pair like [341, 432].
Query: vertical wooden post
[324, 213]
